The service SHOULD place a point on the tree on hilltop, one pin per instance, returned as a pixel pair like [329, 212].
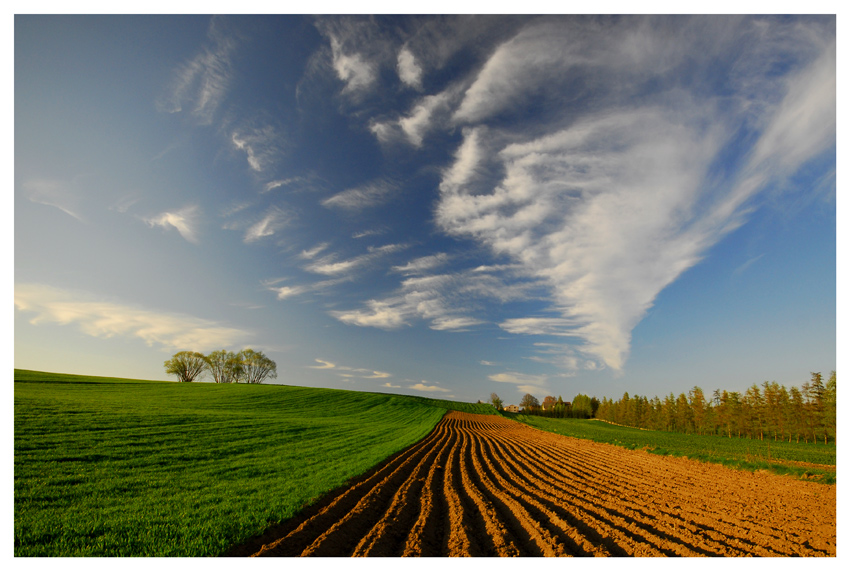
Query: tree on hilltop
[224, 366]
[256, 367]
[187, 365]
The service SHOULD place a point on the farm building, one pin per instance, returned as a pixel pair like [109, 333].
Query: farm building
[512, 408]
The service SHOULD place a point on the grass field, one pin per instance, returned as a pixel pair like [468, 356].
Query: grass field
[116, 467]
[742, 453]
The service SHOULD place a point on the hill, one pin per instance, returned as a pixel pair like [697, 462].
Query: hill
[120, 467]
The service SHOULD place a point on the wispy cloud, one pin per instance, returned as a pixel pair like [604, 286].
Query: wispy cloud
[427, 114]
[369, 194]
[330, 265]
[272, 221]
[380, 314]
[350, 372]
[609, 208]
[171, 331]
[314, 251]
[202, 83]
[262, 149]
[746, 265]
[423, 264]
[446, 300]
[53, 193]
[290, 291]
[185, 221]
[370, 232]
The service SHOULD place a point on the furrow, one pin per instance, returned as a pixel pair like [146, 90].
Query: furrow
[348, 503]
[636, 530]
[386, 537]
[544, 514]
[494, 531]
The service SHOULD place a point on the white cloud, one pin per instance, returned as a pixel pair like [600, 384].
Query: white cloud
[515, 68]
[314, 251]
[370, 194]
[804, 124]
[613, 207]
[416, 125]
[323, 365]
[352, 69]
[330, 266]
[423, 264]
[273, 221]
[446, 300]
[380, 314]
[391, 386]
[285, 292]
[428, 388]
[602, 211]
[350, 372]
[170, 331]
[449, 323]
[185, 221]
[408, 70]
[367, 233]
[261, 148]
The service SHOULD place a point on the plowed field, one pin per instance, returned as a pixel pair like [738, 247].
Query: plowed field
[487, 486]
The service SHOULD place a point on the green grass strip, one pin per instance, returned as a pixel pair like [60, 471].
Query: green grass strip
[789, 458]
[117, 467]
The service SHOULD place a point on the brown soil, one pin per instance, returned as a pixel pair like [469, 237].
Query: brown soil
[487, 486]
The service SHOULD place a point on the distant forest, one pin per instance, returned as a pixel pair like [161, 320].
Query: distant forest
[771, 411]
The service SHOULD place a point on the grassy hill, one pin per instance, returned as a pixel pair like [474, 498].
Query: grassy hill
[118, 467]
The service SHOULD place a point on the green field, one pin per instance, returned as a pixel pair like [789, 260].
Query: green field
[742, 453]
[116, 467]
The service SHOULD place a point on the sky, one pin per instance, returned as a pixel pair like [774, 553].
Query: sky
[445, 206]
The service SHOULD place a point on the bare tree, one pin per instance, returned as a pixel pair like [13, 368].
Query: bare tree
[187, 365]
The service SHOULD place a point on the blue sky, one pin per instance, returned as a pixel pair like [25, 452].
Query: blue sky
[443, 206]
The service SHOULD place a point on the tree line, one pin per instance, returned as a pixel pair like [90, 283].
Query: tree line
[770, 411]
[246, 366]
[582, 406]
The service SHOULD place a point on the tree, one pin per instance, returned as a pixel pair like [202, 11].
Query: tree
[224, 366]
[496, 401]
[187, 365]
[256, 367]
[829, 401]
[698, 408]
[581, 407]
[529, 402]
[549, 403]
